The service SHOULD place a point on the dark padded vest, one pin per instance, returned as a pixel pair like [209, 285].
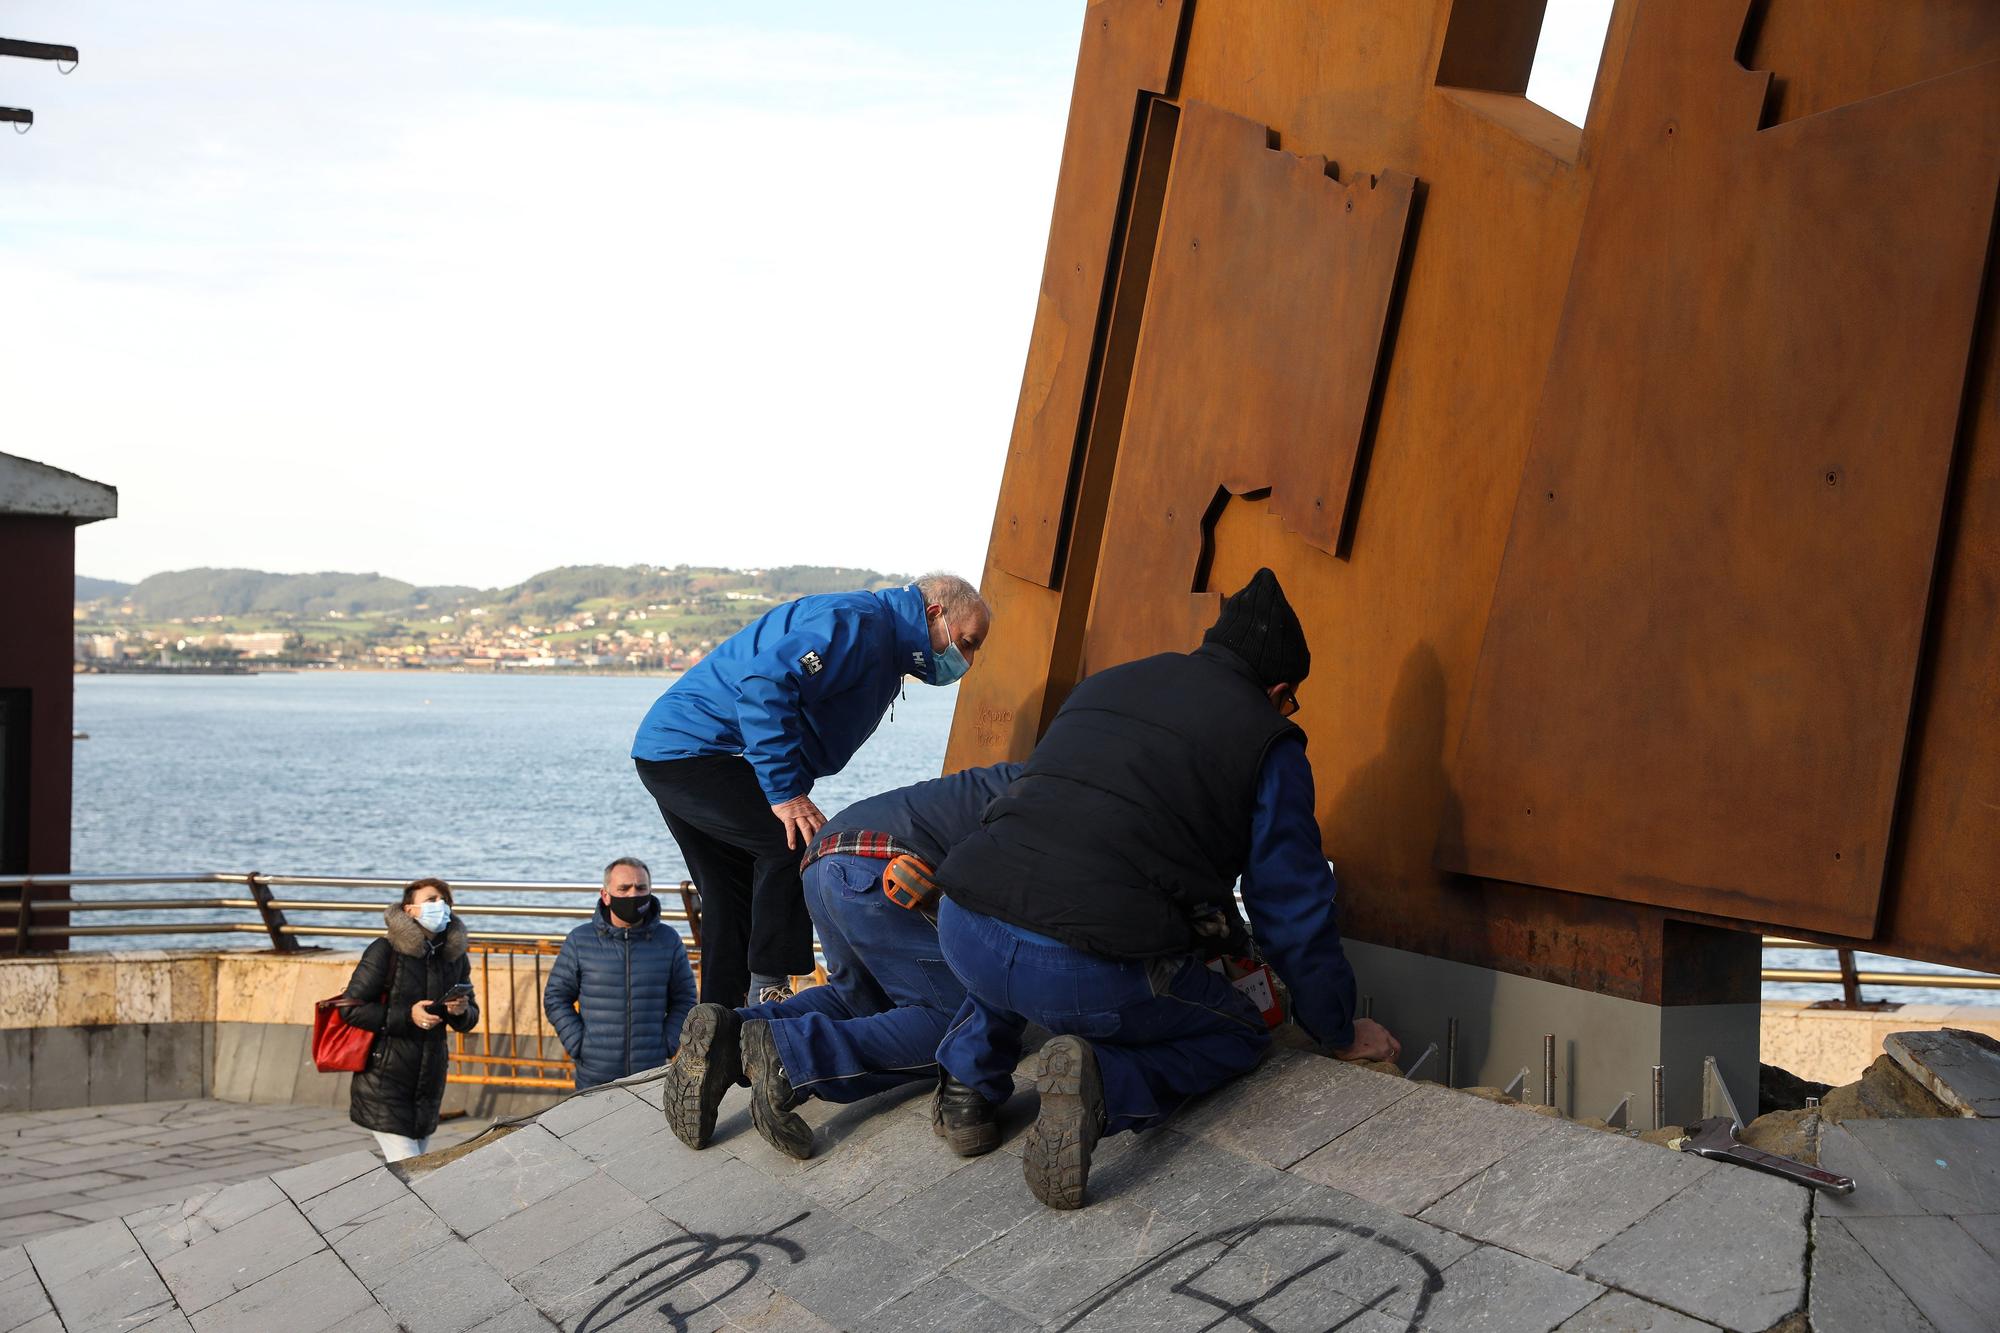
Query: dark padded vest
[1134, 811]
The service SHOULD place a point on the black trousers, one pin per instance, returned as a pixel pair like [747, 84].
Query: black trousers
[753, 909]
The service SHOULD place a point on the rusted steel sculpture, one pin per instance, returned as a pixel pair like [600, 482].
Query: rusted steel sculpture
[1639, 483]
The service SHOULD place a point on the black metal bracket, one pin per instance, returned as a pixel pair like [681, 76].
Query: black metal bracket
[274, 920]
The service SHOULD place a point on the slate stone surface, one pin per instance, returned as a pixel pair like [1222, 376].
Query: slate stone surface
[377, 1243]
[446, 1289]
[316, 1293]
[1729, 1249]
[521, 1240]
[1492, 1289]
[97, 1275]
[962, 1212]
[1961, 1068]
[221, 1264]
[1877, 1193]
[1421, 1147]
[1946, 1166]
[1050, 1261]
[1290, 1106]
[1617, 1312]
[598, 1213]
[1946, 1274]
[1566, 1192]
[943, 1303]
[500, 1178]
[1985, 1230]
[1850, 1292]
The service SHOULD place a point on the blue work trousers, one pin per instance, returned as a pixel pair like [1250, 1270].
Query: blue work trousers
[888, 995]
[1164, 1030]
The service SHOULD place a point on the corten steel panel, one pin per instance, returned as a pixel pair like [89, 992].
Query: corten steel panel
[1944, 903]
[1253, 374]
[1698, 669]
[1128, 49]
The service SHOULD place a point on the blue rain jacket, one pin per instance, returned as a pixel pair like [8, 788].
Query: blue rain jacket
[797, 690]
[635, 988]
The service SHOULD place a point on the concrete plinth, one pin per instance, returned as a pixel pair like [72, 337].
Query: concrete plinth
[1605, 1046]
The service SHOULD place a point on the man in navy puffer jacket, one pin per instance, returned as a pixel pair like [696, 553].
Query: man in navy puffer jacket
[731, 751]
[628, 970]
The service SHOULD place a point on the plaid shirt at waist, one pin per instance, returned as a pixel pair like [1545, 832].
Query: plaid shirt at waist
[876, 846]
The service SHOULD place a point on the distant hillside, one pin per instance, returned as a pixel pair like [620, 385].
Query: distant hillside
[551, 594]
[238, 592]
[89, 590]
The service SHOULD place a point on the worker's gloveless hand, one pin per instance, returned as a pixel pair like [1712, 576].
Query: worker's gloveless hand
[802, 821]
[1372, 1041]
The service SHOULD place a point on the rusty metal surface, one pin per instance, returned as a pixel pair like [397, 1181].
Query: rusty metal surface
[1128, 49]
[1397, 619]
[1253, 377]
[1698, 668]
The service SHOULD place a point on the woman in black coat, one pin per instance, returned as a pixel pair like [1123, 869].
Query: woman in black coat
[399, 1093]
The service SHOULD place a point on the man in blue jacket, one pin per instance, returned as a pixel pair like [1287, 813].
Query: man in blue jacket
[621, 988]
[731, 751]
[876, 1022]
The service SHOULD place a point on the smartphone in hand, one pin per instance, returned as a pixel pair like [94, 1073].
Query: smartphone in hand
[462, 989]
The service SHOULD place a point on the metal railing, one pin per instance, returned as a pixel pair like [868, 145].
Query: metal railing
[260, 900]
[526, 1063]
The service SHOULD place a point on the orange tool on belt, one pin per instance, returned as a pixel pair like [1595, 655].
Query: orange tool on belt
[908, 882]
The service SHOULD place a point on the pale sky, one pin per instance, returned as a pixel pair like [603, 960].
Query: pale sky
[461, 291]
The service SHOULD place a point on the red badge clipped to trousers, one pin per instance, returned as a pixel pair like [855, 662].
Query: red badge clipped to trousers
[1258, 985]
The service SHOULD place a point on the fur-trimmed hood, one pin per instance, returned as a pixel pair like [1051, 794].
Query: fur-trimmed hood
[411, 940]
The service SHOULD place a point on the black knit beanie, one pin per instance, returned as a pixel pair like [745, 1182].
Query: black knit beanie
[1259, 625]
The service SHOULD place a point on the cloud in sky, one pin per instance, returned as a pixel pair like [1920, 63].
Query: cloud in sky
[461, 290]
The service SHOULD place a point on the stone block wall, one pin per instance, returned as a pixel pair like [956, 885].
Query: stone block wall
[97, 1029]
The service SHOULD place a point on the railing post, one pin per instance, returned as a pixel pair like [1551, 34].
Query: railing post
[1850, 979]
[26, 916]
[274, 920]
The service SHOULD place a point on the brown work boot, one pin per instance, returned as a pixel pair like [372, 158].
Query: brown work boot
[707, 1064]
[1056, 1160]
[963, 1118]
[771, 1095]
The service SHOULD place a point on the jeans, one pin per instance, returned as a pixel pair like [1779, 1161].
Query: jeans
[752, 916]
[395, 1147]
[875, 1024]
[1164, 1030]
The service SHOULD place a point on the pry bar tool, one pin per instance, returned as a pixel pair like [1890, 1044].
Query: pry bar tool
[1716, 1137]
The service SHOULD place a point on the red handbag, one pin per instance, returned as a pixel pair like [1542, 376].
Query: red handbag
[339, 1047]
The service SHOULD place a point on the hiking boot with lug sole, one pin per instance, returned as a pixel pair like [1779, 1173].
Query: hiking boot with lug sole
[1056, 1160]
[708, 1064]
[963, 1118]
[771, 1095]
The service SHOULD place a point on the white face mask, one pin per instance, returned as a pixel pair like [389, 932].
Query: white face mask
[434, 915]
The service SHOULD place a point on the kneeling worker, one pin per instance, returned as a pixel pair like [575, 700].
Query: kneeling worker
[876, 1022]
[1093, 888]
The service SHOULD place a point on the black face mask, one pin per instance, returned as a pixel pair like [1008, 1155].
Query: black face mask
[630, 910]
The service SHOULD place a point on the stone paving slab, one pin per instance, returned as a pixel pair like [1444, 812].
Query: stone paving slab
[1850, 1292]
[1945, 1166]
[1564, 1193]
[1290, 1106]
[1731, 1249]
[61, 1169]
[1617, 1312]
[1946, 1274]
[596, 1216]
[1421, 1147]
[1962, 1069]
